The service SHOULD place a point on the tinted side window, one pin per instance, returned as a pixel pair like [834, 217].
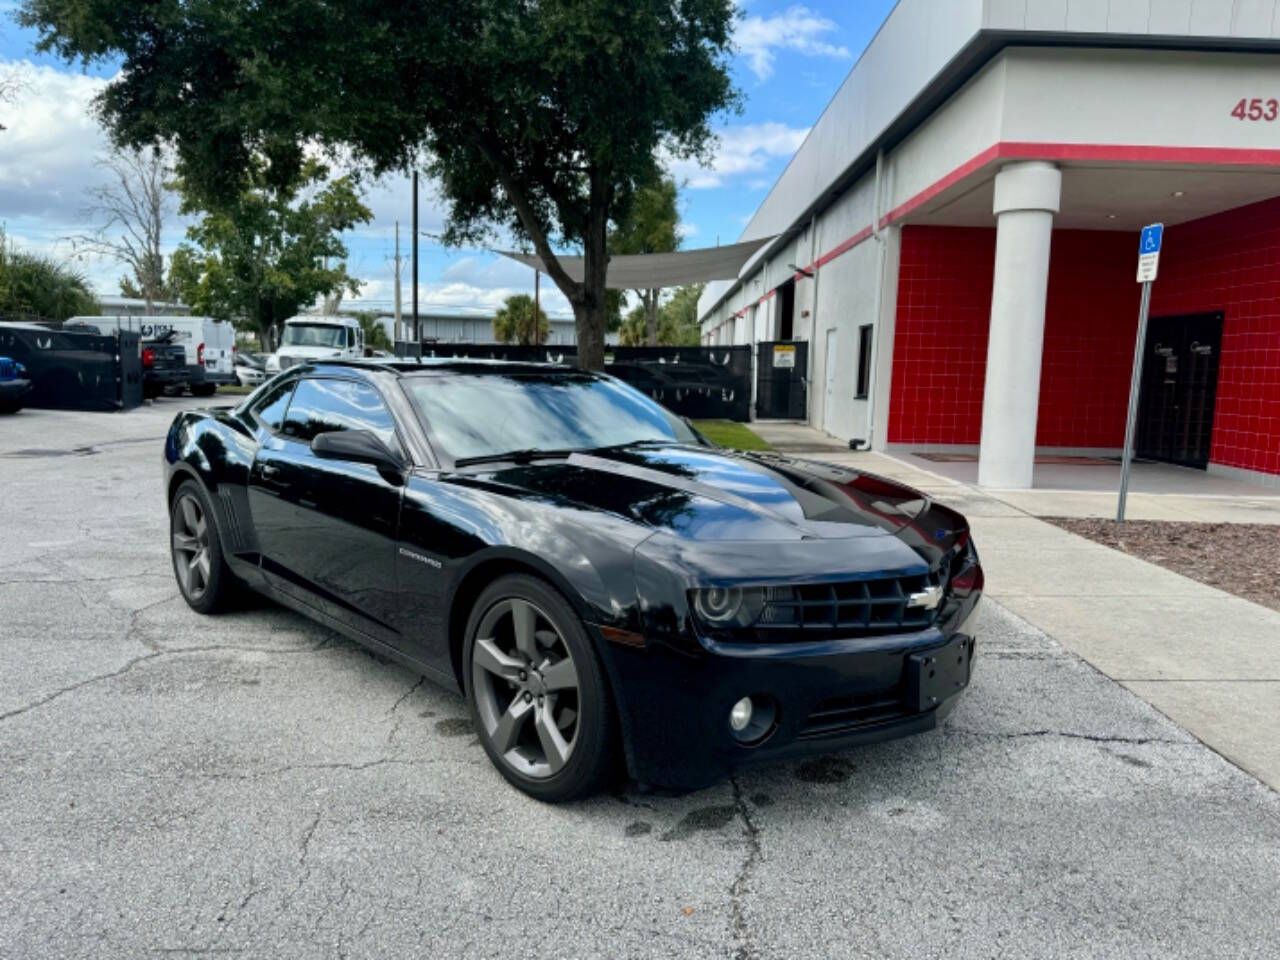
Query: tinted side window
[270, 408]
[320, 406]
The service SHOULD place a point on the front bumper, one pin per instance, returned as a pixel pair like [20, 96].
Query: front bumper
[14, 389]
[828, 696]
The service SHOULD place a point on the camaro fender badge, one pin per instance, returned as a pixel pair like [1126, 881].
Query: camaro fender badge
[420, 558]
[928, 598]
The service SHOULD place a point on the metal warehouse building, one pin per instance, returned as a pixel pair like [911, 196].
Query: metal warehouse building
[957, 238]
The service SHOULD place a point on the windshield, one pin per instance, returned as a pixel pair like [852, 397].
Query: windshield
[313, 335]
[477, 415]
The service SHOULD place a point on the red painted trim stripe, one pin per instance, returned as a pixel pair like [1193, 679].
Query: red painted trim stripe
[1121, 153]
[1025, 150]
[946, 183]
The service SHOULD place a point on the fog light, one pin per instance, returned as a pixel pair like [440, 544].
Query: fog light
[740, 715]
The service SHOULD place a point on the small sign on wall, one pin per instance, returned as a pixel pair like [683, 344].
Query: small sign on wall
[784, 355]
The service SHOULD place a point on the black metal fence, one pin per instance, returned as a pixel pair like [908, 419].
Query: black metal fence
[73, 370]
[696, 382]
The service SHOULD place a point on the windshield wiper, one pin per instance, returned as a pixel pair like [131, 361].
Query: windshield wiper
[515, 456]
[538, 453]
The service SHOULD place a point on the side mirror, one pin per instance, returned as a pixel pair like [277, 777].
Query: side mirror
[359, 446]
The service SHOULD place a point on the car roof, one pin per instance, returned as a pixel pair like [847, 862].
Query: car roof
[409, 366]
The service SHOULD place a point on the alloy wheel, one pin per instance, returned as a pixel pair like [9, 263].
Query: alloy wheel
[526, 688]
[191, 546]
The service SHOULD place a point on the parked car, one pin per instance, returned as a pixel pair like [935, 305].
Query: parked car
[309, 337]
[14, 385]
[601, 584]
[249, 373]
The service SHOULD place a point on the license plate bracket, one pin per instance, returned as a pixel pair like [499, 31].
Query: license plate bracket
[934, 675]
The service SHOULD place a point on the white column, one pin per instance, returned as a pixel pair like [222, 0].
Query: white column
[1026, 198]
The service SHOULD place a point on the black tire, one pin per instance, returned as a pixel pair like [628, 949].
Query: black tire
[209, 586]
[203, 389]
[593, 749]
[10, 406]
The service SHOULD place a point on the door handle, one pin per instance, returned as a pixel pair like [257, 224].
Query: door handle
[267, 470]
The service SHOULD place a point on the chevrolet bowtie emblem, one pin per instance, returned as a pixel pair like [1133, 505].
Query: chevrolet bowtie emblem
[928, 598]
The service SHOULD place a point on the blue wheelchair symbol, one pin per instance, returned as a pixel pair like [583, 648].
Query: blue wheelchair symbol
[1152, 237]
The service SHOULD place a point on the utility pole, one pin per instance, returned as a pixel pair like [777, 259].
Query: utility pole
[417, 333]
[398, 271]
[537, 275]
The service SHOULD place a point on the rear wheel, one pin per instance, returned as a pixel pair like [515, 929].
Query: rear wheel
[203, 578]
[10, 406]
[203, 389]
[538, 696]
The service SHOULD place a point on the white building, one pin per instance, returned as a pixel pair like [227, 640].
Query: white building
[957, 235]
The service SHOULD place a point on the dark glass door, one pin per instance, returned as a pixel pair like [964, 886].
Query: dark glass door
[1179, 388]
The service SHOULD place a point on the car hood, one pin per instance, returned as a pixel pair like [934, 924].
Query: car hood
[696, 493]
[309, 353]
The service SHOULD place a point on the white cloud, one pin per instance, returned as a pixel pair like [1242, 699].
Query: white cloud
[798, 29]
[47, 153]
[48, 159]
[745, 149]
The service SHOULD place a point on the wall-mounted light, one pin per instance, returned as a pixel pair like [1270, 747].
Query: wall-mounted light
[803, 271]
[1179, 193]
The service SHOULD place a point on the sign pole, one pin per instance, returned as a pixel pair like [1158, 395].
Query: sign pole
[1149, 246]
[1132, 422]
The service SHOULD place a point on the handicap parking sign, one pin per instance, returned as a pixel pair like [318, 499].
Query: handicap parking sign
[1149, 252]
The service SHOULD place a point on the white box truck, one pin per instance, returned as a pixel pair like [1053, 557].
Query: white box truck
[210, 345]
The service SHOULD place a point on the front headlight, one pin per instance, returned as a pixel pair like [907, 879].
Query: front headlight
[728, 606]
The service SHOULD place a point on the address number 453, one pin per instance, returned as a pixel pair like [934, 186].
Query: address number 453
[1257, 109]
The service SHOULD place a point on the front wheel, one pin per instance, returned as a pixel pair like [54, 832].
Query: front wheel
[539, 699]
[198, 565]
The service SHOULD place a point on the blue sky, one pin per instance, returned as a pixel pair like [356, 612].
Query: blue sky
[790, 60]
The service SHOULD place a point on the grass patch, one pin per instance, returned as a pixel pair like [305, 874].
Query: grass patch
[728, 433]
[237, 390]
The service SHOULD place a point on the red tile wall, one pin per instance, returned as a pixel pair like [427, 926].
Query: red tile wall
[1231, 262]
[1091, 319]
[1228, 262]
[940, 340]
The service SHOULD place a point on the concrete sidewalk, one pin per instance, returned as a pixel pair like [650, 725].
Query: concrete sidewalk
[1206, 659]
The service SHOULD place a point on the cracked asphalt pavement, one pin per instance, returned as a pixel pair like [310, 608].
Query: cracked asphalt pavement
[255, 785]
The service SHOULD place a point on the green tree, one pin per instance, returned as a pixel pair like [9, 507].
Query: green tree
[677, 324]
[539, 117]
[515, 322]
[270, 251]
[651, 225]
[375, 334]
[678, 321]
[41, 288]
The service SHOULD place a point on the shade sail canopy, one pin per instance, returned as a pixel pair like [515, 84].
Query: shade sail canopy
[648, 271]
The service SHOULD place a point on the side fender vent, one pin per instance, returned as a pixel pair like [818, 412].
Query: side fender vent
[234, 531]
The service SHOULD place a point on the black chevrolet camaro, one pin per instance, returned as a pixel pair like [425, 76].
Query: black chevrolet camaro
[604, 586]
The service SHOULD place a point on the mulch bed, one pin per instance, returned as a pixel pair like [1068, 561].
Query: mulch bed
[1240, 558]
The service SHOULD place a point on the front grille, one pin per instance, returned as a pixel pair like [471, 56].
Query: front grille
[881, 605]
[852, 712]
